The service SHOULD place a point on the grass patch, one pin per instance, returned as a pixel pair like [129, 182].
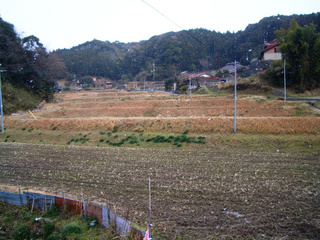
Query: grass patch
[83, 140]
[176, 140]
[19, 223]
[298, 112]
[304, 143]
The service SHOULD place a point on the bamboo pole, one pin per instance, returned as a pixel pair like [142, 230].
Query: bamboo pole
[32, 115]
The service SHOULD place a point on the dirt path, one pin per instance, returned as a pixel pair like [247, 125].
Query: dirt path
[195, 194]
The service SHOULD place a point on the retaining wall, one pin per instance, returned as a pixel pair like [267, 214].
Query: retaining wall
[105, 216]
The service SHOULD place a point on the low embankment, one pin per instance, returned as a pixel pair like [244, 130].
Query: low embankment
[245, 125]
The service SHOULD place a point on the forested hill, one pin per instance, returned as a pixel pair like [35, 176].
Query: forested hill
[174, 52]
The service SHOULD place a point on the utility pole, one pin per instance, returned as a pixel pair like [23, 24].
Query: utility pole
[1, 105]
[235, 98]
[190, 87]
[154, 76]
[285, 80]
[74, 82]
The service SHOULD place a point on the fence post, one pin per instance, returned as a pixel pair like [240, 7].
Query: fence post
[45, 203]
[20, 196]
[33, 200]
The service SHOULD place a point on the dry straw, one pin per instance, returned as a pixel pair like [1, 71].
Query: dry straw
[156, 112]
[245, 125]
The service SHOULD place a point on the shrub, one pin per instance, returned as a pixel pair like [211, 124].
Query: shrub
[51, 213]
[48, 229]
[15, 99]
[22, 232]
[54, 236]
[70, 229]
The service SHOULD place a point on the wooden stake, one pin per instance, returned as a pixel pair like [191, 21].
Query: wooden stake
[32, 204]
[149, 207]
[45, 202]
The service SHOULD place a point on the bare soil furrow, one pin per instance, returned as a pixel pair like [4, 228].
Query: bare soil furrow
[195, 194]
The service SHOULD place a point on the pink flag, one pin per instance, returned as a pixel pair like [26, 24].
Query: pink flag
[146, 237]
[94, 79]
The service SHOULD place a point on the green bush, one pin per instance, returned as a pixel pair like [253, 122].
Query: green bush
[70, 229]
[51, 213]
[22, 232]
[15, 99]
[54, 236]
[48, 229]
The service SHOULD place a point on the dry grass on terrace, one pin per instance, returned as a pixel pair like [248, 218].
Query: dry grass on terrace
[153, 111]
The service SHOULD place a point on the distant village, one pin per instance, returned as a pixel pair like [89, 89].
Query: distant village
[269, 53]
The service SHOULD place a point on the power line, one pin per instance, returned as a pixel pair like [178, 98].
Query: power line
[162, 14]
[172, 22]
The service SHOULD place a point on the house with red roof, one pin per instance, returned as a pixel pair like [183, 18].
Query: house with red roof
[271, 51]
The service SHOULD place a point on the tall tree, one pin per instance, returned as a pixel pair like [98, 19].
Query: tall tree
[57, 68]
[26, 63]
[300, 47]
[37, 69]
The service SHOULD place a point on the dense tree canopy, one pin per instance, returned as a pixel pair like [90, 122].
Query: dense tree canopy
[27, 66]
[300, 47]
[175, 52]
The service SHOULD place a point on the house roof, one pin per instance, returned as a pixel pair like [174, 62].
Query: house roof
[268, 46]
[230, 66]
[201, 75]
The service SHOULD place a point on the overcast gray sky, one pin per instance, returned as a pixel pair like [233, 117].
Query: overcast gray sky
[67, 23]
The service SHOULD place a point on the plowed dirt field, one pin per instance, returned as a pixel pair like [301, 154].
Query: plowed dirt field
[195, 194]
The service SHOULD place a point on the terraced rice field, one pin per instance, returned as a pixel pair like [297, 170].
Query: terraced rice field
[231, 187]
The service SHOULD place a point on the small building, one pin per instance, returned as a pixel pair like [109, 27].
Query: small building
[230, 67]
[203, 79]
[108, 85]
[271, 51]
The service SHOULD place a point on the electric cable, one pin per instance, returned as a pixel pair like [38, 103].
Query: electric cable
[198, 40]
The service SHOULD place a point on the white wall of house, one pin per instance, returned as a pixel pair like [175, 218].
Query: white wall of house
[272, 56]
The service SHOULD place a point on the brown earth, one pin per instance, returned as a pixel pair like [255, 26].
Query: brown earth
[195, 194]
[160, 112]
[205, 192]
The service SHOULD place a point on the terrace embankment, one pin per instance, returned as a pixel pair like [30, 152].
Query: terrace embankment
[159, 112]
